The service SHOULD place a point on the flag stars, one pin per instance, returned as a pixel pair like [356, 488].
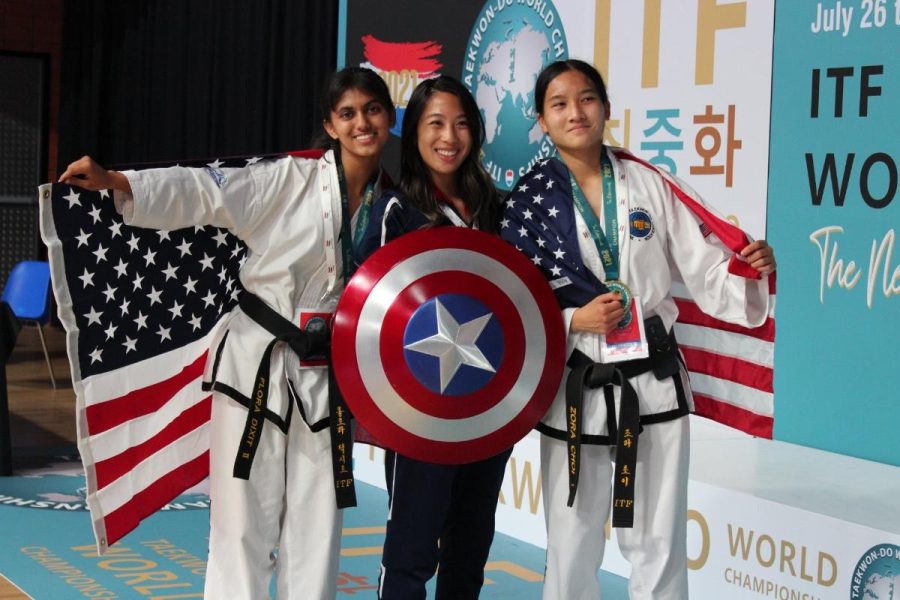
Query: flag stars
[110, 331]
[154, 296]
[215, 164]
[195, 322]
[104, 193]
[541, 242]
[556, 271]
[536, 259]
[510, 203]
[522, 231]
[87, 278]
[110, 293]
[537, 199]
[140, 321]
[130, 345]
[100, 253]
[559, 253]
[83, 238]
[223, 273]
[190, 285]
[133, 243]
[523, 187]
[150, 257]
[163, 235]
[95, 214]
[176, 309]
[170, 271]
[553, 211]
[185, 248]
[209, 299]
[124, 307]
[121, 268]
[164, 333]
[93, 317]
[549, 183]
[526, 214]
[137, 282]
[236, 251]
[504, 223]
[95, 355]
[253, 161]
[221, 238]
[207, 262]
[72, 198]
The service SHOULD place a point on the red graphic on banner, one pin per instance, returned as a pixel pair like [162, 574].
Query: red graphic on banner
[398, 56]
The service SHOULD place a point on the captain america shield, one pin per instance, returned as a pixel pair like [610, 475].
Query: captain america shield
[448, 345]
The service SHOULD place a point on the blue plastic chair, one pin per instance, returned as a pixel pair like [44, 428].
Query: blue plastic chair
[27, 292]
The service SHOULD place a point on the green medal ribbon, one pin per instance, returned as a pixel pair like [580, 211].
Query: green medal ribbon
[362, 218]
[607, 247]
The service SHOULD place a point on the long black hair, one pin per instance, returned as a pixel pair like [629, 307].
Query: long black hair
[554, 70]
[351, 78]
[474, 184]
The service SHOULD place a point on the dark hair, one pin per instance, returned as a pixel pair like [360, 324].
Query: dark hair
[351, 78]
[475, 186]
[554, 70]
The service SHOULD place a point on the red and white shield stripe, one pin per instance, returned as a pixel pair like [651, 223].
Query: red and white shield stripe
[368, 347]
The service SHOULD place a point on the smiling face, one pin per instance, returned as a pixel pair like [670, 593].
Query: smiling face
[360, 124]
[443, 137]
[573, 114]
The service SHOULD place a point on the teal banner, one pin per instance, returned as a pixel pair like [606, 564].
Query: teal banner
[832, 218]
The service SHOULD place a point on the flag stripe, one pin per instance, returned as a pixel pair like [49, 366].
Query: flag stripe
[147, 501]
[733, 416]
[112, 468]
[119, 439]
[143, 401]
[750, 398]
[725, 343]
[142, 475]
[728, 367]
[690, 313]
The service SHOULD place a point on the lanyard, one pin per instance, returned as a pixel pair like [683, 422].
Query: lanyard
[608, 249]
[362, 214]
[362, 220]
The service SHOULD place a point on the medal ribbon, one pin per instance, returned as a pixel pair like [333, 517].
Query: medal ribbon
[607, 247]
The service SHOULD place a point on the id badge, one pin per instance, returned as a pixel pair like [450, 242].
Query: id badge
[628, 342]
[315, 322]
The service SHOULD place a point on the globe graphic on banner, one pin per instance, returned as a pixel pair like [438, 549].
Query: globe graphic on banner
[508, 47]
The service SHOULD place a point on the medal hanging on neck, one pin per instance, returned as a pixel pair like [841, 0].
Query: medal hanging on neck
[608, 247]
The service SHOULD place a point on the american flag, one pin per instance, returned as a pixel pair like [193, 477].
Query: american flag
[139, 307]
[730, 366]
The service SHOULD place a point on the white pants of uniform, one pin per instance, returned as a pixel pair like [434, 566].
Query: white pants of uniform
[656, 547]
[287, 505]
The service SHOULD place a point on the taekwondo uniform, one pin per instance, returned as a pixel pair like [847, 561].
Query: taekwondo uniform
[288, 212]
[660, 237]
[453, 505]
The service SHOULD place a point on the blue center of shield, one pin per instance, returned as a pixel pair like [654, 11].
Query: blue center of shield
[453, 344]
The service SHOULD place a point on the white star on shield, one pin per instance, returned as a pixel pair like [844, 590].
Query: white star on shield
[454, 344]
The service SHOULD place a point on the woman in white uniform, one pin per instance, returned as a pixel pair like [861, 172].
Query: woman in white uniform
[610, 231]
[273, 507]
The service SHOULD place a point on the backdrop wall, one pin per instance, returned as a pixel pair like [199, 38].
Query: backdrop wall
[692, 90]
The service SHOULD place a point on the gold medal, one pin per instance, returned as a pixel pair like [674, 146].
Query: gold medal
[614, 285]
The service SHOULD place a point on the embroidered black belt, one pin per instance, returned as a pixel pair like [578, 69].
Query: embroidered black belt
[585, 373]
[305, 344]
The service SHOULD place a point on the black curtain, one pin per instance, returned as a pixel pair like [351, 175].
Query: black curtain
[156, 80]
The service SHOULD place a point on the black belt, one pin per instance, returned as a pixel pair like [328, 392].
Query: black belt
[305, 344]
[585, 373]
